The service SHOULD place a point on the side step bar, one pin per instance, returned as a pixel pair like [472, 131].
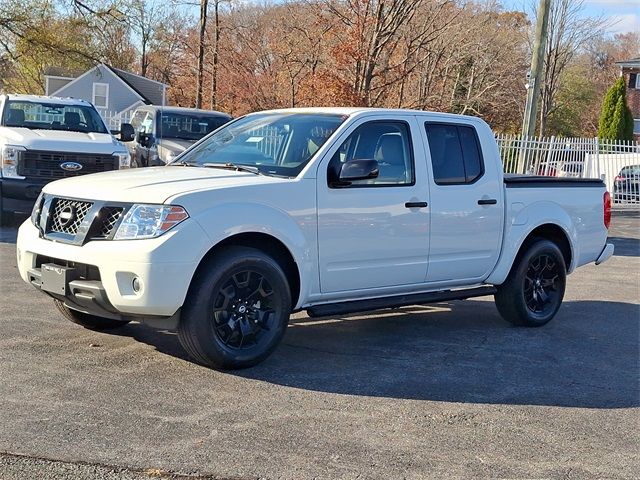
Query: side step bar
[355, 306]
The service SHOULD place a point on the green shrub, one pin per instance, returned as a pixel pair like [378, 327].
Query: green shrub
[616, 120]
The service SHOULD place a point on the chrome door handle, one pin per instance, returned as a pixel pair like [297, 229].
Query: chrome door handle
[416, 204]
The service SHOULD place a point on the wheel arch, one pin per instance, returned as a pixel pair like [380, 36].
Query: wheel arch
[553, 232]
[267, 244]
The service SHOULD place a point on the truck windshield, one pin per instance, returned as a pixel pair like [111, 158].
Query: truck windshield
[275, 143]
[52, 116]
[188, 127]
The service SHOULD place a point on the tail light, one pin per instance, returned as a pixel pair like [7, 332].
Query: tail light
[606, 200]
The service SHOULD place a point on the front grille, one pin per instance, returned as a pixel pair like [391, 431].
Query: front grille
[108, 219]
[68, 215]
[43, 164]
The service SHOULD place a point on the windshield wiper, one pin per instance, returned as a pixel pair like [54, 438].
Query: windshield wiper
[182, 163]
[233, 166]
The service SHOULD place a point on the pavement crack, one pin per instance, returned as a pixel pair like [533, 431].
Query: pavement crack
[137, 473]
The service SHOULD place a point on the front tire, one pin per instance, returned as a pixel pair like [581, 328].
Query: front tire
[237, 309]
[92, 322]
[533, 292]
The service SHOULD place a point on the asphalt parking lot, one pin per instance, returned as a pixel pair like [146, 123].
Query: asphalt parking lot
[430, 391]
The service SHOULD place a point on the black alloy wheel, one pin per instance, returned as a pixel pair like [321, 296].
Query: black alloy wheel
[540, 284]
[244, 310]
[237, 309]
[533, 291]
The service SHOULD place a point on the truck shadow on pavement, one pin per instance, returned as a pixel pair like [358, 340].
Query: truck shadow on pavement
[588, 356]
[625, 247]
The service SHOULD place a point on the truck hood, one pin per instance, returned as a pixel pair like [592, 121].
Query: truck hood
[60, 141]
[151, 185]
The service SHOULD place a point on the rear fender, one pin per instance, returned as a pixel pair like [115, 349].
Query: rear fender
[523, 222]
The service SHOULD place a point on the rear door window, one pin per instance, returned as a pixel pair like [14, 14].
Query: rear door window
[456, 157]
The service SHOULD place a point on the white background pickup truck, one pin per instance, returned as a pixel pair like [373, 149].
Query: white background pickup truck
[329, 210]
[47, 138]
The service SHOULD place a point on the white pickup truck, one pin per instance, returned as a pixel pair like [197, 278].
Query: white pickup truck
[48, 138]
[332, 211]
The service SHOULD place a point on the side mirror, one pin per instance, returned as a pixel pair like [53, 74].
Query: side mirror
[358, 169]
[143, 139]
[127, 133]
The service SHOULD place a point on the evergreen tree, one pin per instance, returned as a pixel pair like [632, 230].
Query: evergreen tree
[616, 120]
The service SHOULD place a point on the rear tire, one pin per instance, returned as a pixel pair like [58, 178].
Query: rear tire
[92, 322]
[237, 309]
[533, 292]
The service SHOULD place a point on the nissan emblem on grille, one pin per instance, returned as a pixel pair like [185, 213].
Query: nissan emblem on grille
[67, 215]
[71, 166]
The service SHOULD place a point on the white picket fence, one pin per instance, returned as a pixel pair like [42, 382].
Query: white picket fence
[114, 119]
[576, 157]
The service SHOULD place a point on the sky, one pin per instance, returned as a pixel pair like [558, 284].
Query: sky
[624, 14]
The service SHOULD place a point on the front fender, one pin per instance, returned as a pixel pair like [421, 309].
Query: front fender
[295, 231]
[524, 220]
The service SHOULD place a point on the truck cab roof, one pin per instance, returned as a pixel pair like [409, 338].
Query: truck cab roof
[351, 111]
[184, 110]
[43, 98]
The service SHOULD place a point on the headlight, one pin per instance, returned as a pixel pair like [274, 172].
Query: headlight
[124, 159]
[149, 221]
[10, 157]
[35, 213]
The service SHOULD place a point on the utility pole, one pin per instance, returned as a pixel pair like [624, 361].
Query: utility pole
[537, 66]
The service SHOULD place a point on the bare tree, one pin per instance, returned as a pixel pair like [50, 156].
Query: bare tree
[146, 18]
[215, 54]
[204, 7]
[371, 37]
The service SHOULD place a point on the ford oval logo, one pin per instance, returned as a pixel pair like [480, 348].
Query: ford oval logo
[71, 166]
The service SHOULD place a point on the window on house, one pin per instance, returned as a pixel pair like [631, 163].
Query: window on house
[636, 126]
[101, 95]
[634, 81]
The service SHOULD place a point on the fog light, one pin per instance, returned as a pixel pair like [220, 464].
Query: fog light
[136, 284]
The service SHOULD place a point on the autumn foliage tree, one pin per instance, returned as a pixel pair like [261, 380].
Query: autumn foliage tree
[466, 57]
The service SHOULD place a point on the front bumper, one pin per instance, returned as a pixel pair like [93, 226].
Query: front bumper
[163, 266]
[80, 294]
